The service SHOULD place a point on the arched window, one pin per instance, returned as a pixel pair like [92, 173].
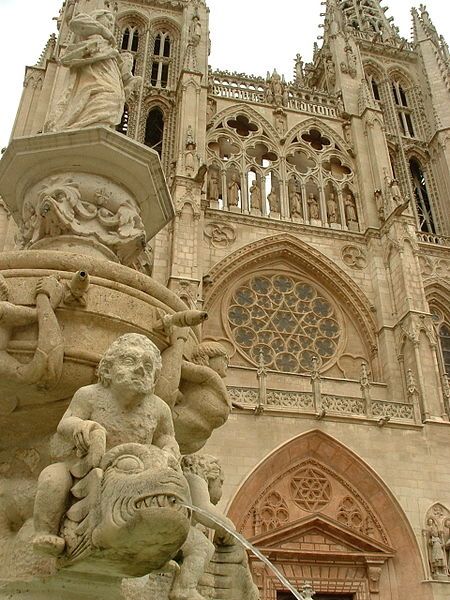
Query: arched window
[122, 127]
[403, 110]
[162, 49]
[443, 332]
[423, 206]
[130, 43]
[374, 86]
[154, 130]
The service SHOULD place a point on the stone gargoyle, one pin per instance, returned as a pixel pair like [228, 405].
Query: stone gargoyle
[126, 518]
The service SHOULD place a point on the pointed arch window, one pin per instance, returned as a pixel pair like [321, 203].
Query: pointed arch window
[162, 51]
[403, 109]
[422, 197]
[130, 43]
[154, 130]
[374, 86]
[443, 331]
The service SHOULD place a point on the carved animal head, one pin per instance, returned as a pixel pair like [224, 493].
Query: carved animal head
[129, 514]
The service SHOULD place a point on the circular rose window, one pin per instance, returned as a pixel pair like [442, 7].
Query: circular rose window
[283, 322]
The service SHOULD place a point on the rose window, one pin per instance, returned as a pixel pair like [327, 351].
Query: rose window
[283, 322]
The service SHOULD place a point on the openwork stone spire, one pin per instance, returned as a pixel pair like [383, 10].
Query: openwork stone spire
[365, 16]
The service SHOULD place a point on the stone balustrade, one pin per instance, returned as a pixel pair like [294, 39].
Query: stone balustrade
[433, 238]
[253, 89]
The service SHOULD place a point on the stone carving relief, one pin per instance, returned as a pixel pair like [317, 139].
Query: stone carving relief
[45, 368]
[219, 235]
[273, 513]
[276, 90]
[437, 540]
[100, 80]
[349, 65]
[306, 489]
[117, 452]
[434, 267]
[354, 257]
[84, 205]
[284, 320]
[310, 489]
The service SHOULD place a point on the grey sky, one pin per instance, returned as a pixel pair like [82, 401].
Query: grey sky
[247, 36]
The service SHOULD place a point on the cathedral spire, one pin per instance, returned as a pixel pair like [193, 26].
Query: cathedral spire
[366, 17]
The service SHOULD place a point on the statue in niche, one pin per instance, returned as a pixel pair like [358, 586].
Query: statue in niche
[274, 199]
[98, 77]
[280, 123]
[330, 73]
[437, 556]
[379, 201]
[205, 479]
[45, 368]
[121, 408]
[396, 194]
[255, 196]
[213, 186]
[295, 198]
[313, 207]
[332, 208]
[234, 189]
[350, 209]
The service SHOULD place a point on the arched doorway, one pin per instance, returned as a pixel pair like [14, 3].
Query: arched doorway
[323, 516]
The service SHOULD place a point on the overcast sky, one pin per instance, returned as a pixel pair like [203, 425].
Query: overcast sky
[247, 36]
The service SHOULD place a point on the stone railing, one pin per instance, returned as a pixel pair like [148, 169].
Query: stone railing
[254, 89]
[433, 238]
[323, 405]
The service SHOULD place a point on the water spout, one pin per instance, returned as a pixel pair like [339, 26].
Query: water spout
[240, 538]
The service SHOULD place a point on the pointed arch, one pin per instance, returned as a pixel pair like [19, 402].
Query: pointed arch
[249, 112]
[350, 480]
[313, 122]
[300, 255]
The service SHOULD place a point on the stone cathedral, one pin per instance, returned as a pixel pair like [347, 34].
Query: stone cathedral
[308, 215]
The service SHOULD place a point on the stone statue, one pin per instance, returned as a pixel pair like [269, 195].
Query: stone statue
[274, 200]
[298, 70]
[313, 205]
[233, 190]
[396, 194]
[332, 208]
[255, 196]
[44, 369]
[121, 408]
[96, 89]
[350, 209]
[194, 389]
[295, 198]
[437, 556]
[213, 186]
[205, 479]
[124, 518]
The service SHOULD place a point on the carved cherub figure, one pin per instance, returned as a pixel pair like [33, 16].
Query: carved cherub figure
[119, 409]
[205, 479]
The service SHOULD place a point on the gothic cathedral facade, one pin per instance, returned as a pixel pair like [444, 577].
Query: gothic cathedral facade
[313, 225]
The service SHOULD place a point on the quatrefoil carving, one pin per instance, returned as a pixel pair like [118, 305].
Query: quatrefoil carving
[336, 168]
[244, 127]
[316, 139]
[224, 147]
[260, 153]
[301, 161]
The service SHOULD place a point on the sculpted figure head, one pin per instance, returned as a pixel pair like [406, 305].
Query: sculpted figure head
[131, 363]
[213, 355]
[208, 468]
[138, 522]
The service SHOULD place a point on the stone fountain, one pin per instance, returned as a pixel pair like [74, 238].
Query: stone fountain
[106, 389]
